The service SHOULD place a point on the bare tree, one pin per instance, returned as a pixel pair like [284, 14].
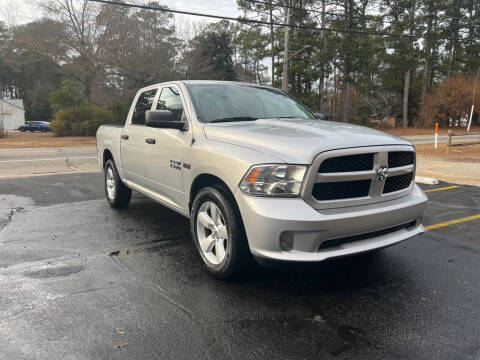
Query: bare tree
[82, 42]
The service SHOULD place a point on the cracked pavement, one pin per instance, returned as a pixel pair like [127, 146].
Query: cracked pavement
[79, 280]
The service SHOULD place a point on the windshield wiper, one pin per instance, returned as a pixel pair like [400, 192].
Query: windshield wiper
[232, 119]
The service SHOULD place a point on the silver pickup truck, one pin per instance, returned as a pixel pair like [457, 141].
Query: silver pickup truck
[258, 174]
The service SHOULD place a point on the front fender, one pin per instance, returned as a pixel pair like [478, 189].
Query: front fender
[226, 161]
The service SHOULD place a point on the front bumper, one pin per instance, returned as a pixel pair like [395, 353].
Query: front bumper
[265, 219]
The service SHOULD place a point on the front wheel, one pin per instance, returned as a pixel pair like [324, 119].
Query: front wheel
[218, 233]
[118, 195]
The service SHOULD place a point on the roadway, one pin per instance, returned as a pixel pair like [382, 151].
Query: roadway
[41, 161]
[79, 280]
[427, 139]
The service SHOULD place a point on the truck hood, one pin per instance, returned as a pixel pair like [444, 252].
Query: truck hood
[298, 141]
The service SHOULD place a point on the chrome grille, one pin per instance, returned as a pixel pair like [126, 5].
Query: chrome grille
[358, 176]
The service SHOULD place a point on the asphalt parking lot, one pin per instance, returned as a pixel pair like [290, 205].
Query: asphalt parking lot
[79, 280]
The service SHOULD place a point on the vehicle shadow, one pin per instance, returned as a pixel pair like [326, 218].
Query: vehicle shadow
[354, 272]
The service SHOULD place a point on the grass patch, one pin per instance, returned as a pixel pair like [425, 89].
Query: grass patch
[42, 140]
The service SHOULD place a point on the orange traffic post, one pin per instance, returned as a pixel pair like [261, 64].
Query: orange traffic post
[436, 135]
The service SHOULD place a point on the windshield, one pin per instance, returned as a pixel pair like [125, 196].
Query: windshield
[243, 102]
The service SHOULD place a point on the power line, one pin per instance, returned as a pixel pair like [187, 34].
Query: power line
[270, 3]
[259, 22]
[408, 9]
[370, 18]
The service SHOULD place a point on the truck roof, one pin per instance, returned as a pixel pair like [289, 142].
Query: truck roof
[192, 82]
[217, 82]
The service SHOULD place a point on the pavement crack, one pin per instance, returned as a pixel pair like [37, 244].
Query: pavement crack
[161, 291]
[10, 216]
[157, 287]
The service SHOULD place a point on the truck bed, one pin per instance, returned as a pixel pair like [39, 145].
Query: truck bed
[108, 136]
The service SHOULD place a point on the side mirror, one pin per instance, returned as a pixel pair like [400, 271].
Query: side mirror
[163, 119]
[320, 116]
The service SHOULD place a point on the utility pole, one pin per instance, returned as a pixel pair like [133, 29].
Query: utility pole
[406, 87]
[473, 100]
[272, 44]
[285, 53]
[321, 86]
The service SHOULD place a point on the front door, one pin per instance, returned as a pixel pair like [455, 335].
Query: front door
[134, 149]
[165, 164]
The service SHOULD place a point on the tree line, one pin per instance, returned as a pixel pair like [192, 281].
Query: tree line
[357, 60]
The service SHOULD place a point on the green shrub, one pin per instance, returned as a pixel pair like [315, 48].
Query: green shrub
[80, 121]
[68, 95]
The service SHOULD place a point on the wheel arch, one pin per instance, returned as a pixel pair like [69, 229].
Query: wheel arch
[107, 155]
[204, 180]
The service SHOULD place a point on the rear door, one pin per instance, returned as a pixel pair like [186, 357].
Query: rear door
[36, 126]
[133, 146]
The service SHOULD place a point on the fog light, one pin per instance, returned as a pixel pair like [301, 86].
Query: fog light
[286, 241]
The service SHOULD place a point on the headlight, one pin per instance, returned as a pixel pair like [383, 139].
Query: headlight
[273, 180]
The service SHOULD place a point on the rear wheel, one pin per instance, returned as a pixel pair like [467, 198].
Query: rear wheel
[118, 195]
[218, 233]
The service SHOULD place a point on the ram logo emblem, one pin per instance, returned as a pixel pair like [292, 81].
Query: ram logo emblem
[382, 173]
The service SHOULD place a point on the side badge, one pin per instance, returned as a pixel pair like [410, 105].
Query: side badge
[175, 164]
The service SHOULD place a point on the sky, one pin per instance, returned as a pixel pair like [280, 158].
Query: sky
[23, 11]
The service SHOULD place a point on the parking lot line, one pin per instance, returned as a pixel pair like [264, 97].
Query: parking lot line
[452, 222]
[441, 189]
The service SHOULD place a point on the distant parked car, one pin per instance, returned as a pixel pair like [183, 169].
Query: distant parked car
[32, 126]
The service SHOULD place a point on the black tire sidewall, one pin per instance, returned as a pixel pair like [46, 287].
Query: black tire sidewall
[220, 198]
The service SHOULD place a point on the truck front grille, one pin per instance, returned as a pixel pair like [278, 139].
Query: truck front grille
[397, 183]
[358, 162]
[400, 158]
[341, 190]
[349, 177]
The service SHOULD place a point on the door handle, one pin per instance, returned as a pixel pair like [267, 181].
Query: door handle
[124, 137]
[150, 141]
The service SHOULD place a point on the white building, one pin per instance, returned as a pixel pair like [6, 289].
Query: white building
[12, 113]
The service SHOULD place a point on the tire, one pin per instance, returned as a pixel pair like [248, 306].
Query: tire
[118, 195]
[225, 251]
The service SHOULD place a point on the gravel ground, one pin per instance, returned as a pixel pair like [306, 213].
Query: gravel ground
[450, 170]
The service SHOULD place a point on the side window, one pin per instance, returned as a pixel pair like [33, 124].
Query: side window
[170, 99]
[144, 103]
